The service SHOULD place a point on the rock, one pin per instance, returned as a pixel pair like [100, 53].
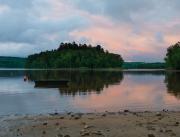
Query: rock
[61, 117]
[151, 128]
[86, 126]
[126, 110]
[177, 124]
[59, 135]
[77, 117]
[97, 133]
[45, 123]
[67, 136]
[103, 115]
[57, 124]
[44, 132]
[69, 113]
[173, 134]
[18, 130]
[85, 134]
[168, 130]
[158, 114]
[151, 135]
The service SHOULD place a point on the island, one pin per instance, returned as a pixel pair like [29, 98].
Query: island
[73, 55]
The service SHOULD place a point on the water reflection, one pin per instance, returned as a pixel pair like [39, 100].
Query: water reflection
[172, 80]
[88, 91]
[80, 82]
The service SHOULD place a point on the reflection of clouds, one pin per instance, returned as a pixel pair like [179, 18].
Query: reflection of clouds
[134, 92]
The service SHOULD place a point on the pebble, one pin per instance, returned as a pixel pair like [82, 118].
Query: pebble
[45, 124]
[126, 110]
[177, 124]
[151, 135]
[85, 134]
[97, 133]
[61, 117]
[59, 135]
[44, 132]
[158, 114]
[57, 124]
[77, 117]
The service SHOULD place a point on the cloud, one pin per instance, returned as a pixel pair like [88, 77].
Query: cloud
[139, 30]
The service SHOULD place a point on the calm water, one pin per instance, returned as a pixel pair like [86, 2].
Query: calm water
[88, 91]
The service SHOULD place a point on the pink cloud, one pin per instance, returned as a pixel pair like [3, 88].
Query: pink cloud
[121, 37]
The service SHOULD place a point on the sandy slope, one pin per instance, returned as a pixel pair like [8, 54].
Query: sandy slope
[144, 124]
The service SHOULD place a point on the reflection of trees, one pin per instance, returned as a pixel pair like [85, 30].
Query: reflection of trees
[172, 81]
[11, 73]
[81, 82]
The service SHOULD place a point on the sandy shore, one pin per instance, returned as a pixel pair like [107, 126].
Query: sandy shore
[121, 124]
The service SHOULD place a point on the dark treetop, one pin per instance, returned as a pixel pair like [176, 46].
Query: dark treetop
[173, 56]
[73, 55]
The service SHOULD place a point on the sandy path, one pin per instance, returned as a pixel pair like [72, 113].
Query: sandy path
[147, 124]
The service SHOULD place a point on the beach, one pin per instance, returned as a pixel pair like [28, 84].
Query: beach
[107, 124]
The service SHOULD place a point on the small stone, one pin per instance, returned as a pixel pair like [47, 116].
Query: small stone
[126, 110]
[57, 124]
[45, 124]
[151, 135]
[85, 134]
[44, 132]
[86, 127]
[77, 117]
[59, 135]
[177, 124]
[67, 136]
[151, 128]
[168, 130]
[158, 114]
[61, 117]
[173, 134]
[69, 113]
[18, 129]
[97, 133]
[103, 115]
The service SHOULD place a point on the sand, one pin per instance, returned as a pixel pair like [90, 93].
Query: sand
[120, 124]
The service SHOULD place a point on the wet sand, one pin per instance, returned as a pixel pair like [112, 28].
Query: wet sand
[120, 124]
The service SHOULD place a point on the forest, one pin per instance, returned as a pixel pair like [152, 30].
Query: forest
[12, 62]
[73, 55]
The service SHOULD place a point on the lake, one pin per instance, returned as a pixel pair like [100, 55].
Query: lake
[88, 91]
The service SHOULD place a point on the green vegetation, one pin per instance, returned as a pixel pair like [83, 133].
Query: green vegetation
[173, 56]
[12, 62]
[72, 55]
[143, 65]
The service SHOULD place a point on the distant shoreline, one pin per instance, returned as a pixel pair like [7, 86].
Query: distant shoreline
[96, 69]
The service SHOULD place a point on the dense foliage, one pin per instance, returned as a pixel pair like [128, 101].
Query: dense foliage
[12, 62]
[173, 56]
[143, 65]
[72, 55]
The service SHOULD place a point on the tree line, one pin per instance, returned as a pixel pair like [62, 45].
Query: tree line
[73, 55]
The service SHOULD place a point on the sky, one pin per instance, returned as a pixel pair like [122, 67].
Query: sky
[139, 30]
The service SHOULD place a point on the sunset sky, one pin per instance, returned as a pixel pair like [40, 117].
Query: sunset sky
[139, 30]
